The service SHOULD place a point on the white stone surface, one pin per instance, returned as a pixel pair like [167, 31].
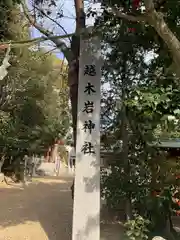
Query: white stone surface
[177, 229]
[5, 64]
[1, 177]
[86, 215]
[158, 238]
[47, 168]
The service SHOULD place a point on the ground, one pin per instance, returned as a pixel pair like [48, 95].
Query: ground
[41, 211]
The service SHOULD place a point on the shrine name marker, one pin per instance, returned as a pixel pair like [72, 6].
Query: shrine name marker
[86, 215]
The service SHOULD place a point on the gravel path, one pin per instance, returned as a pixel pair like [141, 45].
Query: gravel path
[41, 211]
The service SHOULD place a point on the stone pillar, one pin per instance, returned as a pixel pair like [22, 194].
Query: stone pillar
[86, 215]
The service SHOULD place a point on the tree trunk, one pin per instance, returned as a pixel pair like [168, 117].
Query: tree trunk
[157, 22]
[128, 207]
[124, 132]
[72, 54]
[2, 162]
[73, 74]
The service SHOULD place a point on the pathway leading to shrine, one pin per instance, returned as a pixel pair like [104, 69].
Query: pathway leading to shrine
[41, 210]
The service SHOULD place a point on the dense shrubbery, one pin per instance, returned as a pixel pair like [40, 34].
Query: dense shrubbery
[34, 110]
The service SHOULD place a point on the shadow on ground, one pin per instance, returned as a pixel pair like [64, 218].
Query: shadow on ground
[42, 210]
[47, 201]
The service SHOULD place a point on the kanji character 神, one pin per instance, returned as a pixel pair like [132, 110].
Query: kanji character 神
[89, 125]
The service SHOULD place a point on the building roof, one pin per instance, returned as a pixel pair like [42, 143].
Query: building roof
[169, 143]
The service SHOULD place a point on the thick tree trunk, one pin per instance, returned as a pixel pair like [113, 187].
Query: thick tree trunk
[128, 207]
[2, 162]
[124, 132]
[157, 21]
[72, 54]
[73, 85]
[73, 75]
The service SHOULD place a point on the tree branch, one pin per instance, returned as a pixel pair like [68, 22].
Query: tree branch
[60, 44]
[119, 14]
[54, 21]
[15, 44]
[149, 5]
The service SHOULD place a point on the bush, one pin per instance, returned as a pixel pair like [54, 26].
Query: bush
[137, 229]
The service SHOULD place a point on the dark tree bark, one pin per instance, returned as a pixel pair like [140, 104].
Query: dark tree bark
[73, 75]
[72, 55]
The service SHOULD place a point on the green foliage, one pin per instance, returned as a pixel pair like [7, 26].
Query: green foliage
[148, 37]
[139, 108]
[137, 229]
[34, 110]
[157, 106]
[37, 112]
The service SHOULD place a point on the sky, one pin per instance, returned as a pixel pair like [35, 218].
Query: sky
[67, 22]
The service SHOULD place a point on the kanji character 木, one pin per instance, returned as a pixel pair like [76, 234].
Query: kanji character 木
[89, 89]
